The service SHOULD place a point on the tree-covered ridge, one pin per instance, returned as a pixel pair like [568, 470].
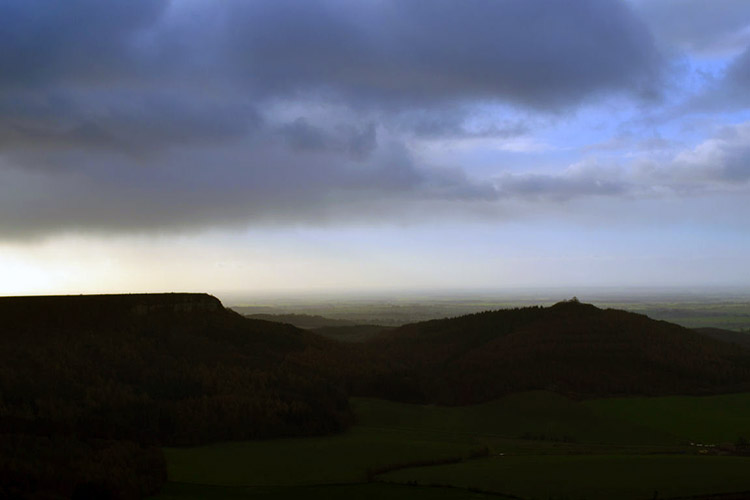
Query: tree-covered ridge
[571, 348]
[149, 370]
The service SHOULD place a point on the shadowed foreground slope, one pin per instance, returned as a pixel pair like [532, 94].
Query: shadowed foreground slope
[87, 373]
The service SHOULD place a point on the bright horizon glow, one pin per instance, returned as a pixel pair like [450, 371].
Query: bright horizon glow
[351, 262]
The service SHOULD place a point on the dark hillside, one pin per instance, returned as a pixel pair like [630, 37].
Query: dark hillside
[158, 363]
[357, 333]
[571, 348]
[98, 372]
[739, 338]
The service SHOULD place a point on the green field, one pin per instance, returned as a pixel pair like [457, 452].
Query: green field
[531, 416]
[342, 458]
[360, 491]
[590, 476]
[708, 419]
[595, 447]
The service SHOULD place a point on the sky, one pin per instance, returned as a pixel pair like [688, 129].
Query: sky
[338, 145]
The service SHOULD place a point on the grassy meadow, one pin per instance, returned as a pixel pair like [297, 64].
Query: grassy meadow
[705, 420]
[527, 445]
[359, 491]
[612, 477]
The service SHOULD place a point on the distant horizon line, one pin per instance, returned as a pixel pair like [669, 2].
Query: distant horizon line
[528, 292]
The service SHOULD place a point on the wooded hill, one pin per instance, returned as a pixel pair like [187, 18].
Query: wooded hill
[571, 348]
[114, 376]
[731, 336]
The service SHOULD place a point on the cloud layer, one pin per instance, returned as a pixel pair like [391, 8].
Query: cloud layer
[156, 115]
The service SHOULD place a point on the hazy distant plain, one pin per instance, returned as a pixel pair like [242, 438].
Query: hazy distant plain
[727, 308]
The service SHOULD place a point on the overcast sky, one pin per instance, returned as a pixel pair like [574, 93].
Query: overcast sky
[281, 145]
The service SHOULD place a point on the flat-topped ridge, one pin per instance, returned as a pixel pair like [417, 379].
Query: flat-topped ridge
[138, 304]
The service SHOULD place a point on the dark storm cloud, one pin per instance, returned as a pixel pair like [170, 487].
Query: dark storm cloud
[452, 123]
[45, 42]
[359, 142]
[130, 115]
[695, 25]
[261, 183]
[121, 120]
[389, 54]
[545, 53]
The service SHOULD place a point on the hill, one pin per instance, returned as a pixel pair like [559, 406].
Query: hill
[173, 355]
[106, 375]
[570, 348]
[356, 333]
[739, 338]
